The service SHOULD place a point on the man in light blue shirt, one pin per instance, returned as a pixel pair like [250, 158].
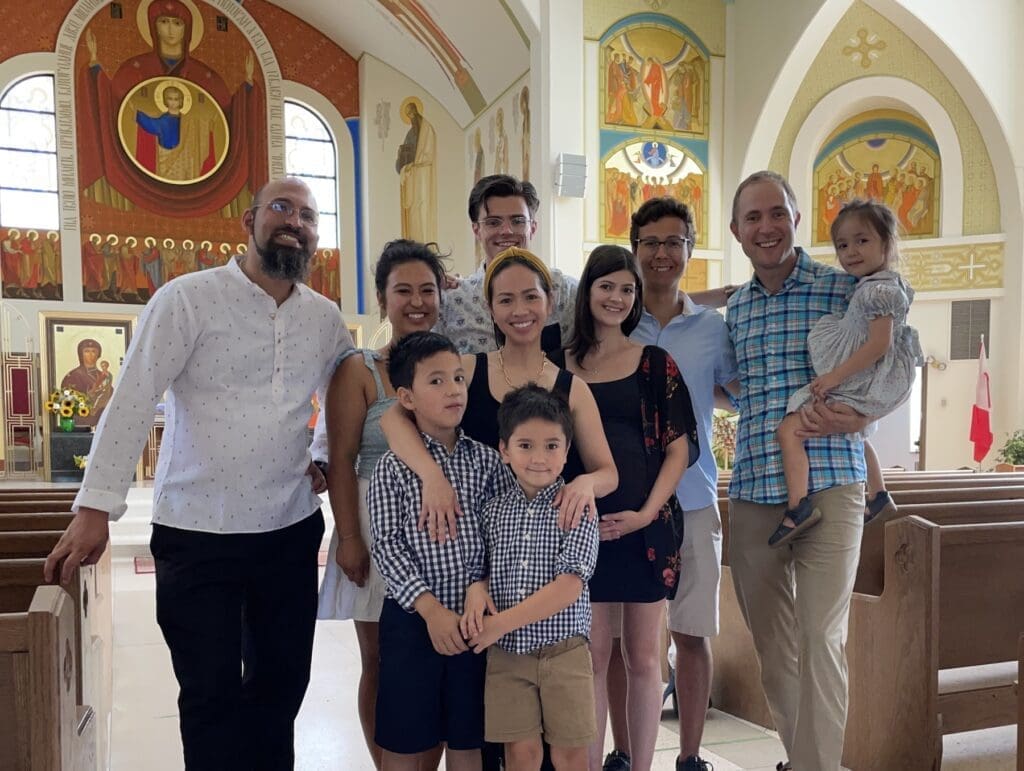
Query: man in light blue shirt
[662, 237]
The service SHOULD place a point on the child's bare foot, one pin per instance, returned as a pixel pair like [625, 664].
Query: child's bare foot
[878, 504]
[795, 521]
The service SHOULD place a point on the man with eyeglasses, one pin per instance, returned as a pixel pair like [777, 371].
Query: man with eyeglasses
[502, 212]
[661, 234]
[236, 520]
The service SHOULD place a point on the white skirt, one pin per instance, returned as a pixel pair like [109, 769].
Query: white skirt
[340, 598]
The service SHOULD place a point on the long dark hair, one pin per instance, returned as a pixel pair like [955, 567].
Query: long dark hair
[605, 259]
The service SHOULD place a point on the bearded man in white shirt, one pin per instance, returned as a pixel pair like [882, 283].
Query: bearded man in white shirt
[240, 350]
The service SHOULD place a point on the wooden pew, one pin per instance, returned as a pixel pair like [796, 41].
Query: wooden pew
[1020, 704]
[28, 543]
[42, 520]
[43, 726]
[23, 506]
[90, 594]
[953, 599]
[736, 686]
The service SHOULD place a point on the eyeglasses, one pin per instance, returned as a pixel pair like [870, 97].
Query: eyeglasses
[673, 244]
[306, 215]
[516, 224]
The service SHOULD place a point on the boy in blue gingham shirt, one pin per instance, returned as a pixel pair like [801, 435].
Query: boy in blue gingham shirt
[539, 675]
[431, 684]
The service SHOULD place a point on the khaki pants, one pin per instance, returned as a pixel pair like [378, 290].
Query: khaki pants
[796, 601]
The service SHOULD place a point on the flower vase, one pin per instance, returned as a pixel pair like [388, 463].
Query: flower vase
[67, 424]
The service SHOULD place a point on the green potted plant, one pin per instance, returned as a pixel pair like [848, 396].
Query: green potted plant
[1012, 453]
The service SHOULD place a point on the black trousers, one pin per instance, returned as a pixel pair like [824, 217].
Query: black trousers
[238, 613]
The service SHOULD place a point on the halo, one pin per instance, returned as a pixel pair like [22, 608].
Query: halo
[149, 241]
[187, 244]
[131, 241]
[168, 243]
[142, 21]
[13, 233]
[32, 235]
[112, 239]
[96, 239]
[405, 103]
[186, 95]
[206, 245]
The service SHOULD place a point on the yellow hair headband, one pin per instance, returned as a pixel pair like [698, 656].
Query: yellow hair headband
[521, 256]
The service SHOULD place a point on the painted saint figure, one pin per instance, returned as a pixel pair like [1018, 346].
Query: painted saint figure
[417, 174]
[172, 31]
[96, 383]
[175, 145]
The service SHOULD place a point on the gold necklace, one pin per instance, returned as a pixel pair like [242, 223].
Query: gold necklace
[504, 372]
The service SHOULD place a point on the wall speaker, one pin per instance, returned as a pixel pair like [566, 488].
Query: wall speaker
[571, 175]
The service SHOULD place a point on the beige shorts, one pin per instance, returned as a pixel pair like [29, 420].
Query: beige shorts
[694, 611]
[549, 692]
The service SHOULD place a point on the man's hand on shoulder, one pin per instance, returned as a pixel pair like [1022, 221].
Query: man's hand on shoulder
[83, 543]
[829, 417]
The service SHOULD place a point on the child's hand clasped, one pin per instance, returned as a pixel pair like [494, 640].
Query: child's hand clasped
[478, 602]
[822, 385]
[445, 635]
[494, 630]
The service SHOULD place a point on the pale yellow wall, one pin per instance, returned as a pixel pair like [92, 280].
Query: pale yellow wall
[705, 17]
[901, 57]
[379, 83]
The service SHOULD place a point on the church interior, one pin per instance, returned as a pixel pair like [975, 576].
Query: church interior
[116, 178]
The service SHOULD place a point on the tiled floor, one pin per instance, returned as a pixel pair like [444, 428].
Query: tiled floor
[145, 727]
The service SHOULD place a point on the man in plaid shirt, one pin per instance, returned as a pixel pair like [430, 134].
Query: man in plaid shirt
[539, 675]
[796, 599]
[431, 685]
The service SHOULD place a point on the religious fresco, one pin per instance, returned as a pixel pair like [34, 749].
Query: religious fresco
[643, 169]
[416, 165]
[30, 264]
[419, 23]
[654, 78]
[173, 130]
[498, 141]
[119, 268]
[885, 155]
[171, 120]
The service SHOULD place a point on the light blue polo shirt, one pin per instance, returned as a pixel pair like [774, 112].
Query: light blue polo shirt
[698, 340]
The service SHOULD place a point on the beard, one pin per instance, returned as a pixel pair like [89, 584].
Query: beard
[290, 263]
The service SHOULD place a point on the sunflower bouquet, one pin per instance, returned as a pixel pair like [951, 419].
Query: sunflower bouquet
[66, 403]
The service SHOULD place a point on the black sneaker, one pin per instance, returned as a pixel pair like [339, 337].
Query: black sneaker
[693, 763]
[783, 765]
[616, 760]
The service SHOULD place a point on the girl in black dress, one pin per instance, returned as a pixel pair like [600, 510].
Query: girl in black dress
[649, 422]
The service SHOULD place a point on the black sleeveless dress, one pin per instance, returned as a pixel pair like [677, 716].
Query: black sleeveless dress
[480, 421]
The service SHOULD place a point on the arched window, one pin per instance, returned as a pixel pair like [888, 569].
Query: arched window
[310, 155]
[28, 155]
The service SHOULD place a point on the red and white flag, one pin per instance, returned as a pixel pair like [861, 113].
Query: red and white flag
[981, 415]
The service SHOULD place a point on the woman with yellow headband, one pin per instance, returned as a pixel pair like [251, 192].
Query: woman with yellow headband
[517, 286]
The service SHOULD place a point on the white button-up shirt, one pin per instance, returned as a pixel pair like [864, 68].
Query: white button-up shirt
[239, 372]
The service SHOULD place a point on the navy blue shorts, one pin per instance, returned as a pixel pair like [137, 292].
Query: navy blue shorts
[424, 698]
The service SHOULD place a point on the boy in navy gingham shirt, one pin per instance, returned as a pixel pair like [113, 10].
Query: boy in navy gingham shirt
[431, 685]
[539, 675]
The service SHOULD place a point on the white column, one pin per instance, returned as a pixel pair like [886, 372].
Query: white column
[557, 75]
